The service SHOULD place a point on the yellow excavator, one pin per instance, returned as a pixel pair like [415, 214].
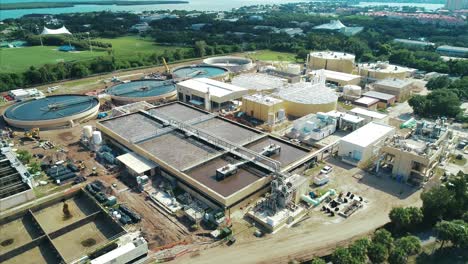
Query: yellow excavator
[167, 71]
[32, 134]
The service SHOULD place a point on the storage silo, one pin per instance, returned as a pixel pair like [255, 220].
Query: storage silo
[332, 60]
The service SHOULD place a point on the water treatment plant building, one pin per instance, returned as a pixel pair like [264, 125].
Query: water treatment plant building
[218, 161]
[331, 60]
[52, 111]
[142, 90]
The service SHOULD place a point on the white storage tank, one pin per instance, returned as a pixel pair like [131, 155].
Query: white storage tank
[294, 69]
[352, 91]
[97, 137]
[88, 131]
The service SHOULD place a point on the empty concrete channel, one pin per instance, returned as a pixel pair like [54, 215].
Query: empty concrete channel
[47, 234]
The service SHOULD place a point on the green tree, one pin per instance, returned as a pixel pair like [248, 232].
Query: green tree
[377, 253]
[436, 203]
[342, 256]
[200, 48]
[455, 231]
[419, 104]
[318, 261]
[410, 245]
[383, 237]
[438, 83]
[398, 256]
[358, 249]
[405, 219]
[24, 156]
[444, 102]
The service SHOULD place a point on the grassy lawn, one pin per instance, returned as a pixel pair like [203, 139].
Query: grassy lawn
[268, 55]
[130, 45]
[20, 59]
[456, 161]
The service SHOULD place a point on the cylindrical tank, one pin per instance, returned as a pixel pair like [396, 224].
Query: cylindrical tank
[294, 69]
[332, 60]
[352, 91]
[97, 137]
[88, 131]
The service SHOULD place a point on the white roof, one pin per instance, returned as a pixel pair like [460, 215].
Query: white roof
[364, 112]
[62, 30]
[219, 91]
[347, 117]
[19, 92]
[258, 81]
[367, 101]
[108, 257]
[368, 134]
[333, 25]
[334, 75]
[394, 83]
[136, 163]
[307, 93]
[263, 99]
[332, 55]
[384, 67]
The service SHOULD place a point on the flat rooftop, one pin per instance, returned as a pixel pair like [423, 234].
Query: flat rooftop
[199, 159]
[368, 134]
[379, 95]
[132, 126]
[394, 83]
[334, 75]
[366, 101]
[215, 88]
[262, 99]
[368, 113]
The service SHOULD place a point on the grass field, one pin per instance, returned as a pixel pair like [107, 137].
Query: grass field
[20, 59]
[268, 55]
[130, 45]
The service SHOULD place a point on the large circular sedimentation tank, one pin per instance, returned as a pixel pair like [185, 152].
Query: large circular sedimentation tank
[233, 64]
[301, 99]
[200, 71]
[143, 90]
[52, 111]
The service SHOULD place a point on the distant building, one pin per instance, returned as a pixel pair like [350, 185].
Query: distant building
[336, 25]
[198, 26]
[256, 18]
[141, 27]
[341, 78]
[452, 51]
[401, 89]
[413, 43]
[292, 31]
[154, 17]
[453, 5]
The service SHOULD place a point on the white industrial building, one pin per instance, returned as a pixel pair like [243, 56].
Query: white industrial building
[368, 115]
[23, 94]
[137, 165]
[130, 250]
[364, 144]
[347, 121]
[209, 94]
[340, 78]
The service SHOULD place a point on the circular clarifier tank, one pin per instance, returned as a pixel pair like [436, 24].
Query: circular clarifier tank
[200, 71]
[233, 64]
[143, 90]
[52, 111]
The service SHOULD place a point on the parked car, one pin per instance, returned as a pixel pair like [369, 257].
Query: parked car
[327, 169]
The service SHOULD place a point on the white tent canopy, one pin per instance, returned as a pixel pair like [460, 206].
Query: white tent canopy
[62, 30]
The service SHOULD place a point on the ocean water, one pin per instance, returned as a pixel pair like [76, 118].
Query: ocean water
[201, 5]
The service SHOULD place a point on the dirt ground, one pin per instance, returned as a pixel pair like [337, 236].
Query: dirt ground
[318, 234]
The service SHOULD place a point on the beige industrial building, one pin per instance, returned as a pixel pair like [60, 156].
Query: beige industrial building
[400, 88]
[367, 103]
[412, 158]
[209, 94]
[383, 70]
[331, 60]
[263, 107]
[362, 146]
[341, 78]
